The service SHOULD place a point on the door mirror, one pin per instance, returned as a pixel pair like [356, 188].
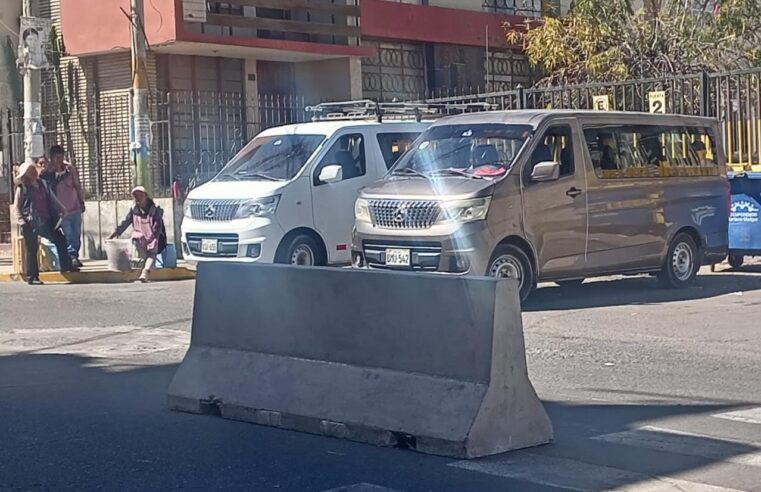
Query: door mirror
[331, 174]
[545, 171]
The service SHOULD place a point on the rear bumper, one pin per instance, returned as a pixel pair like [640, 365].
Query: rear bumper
[714, 255]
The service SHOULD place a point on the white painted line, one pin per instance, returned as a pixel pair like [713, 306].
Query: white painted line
[689, 444]
[664, 484]
[577, 475]
[749, 416]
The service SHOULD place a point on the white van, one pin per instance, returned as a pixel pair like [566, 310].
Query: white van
[288, 195]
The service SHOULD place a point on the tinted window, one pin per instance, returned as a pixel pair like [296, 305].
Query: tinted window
[349, 153]
[633, 151]
[556, 145]
[393, 145]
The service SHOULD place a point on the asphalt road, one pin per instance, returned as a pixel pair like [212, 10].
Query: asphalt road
[648, 390]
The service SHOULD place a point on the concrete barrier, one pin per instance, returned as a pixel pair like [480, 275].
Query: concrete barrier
[432, 363]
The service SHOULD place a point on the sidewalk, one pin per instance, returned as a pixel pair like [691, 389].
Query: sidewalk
[96, 272]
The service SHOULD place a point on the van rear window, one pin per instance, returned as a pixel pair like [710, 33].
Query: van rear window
[657, 151]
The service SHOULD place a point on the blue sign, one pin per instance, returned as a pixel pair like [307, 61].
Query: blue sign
[745, 223]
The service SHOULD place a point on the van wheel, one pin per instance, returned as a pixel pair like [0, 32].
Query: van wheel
[736, 261]
[509, 261]
[682, 262]
[569, 284]
[302, 250]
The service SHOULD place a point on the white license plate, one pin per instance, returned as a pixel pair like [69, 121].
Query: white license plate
[398, 257]
[208, 245]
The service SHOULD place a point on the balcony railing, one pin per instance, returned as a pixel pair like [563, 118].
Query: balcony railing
[318, 21]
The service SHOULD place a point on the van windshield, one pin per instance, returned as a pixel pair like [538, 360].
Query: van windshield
[271, 158]
[480, 150]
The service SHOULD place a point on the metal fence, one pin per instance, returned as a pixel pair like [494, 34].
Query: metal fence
[733, 97]
[194, 134]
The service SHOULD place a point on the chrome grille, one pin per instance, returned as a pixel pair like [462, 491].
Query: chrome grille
[214, 210]
[403, 214]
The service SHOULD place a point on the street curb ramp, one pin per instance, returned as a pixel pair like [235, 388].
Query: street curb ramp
[427, 362]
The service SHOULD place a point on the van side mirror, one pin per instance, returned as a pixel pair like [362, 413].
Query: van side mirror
[545, 171]
[331, 174]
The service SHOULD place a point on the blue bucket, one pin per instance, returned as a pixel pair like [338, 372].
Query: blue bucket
[168, 258]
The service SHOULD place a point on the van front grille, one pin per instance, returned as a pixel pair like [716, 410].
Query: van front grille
[403, 214]
[214, 210]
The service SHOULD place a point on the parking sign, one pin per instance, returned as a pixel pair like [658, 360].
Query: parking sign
[657, 100]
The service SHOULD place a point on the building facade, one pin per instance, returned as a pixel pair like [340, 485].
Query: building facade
[220, 72]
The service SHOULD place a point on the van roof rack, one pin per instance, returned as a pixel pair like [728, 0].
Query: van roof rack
[367, 108]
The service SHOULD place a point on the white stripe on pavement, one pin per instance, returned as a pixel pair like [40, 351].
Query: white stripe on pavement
[749, 416]
[689, 444]
[577, 475]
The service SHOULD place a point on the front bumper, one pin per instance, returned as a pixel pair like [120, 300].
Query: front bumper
[462, 249]
[251, 240]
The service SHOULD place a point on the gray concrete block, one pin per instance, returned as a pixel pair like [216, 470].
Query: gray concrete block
[429, 362]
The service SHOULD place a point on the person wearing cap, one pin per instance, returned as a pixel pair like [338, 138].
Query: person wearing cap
[38, 212]
[148, 232]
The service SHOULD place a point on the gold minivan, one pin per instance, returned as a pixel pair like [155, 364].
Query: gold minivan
[551, 195]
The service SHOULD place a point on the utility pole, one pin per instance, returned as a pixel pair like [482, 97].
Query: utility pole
[33, 129]
[140, 127]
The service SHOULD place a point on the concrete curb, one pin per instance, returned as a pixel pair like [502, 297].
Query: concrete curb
[104, 276]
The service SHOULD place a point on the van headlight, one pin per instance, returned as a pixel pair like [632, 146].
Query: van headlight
[361, 210]
[462, 211]
[259, 207]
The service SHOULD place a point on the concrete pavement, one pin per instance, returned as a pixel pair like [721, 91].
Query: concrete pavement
[648, 389]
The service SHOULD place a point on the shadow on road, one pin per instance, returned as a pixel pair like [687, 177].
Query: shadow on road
[637, 290]
[72, 423]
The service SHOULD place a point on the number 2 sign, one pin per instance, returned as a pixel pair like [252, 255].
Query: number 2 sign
[657, 100]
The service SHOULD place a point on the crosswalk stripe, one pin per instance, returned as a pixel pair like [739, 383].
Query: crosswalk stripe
[577, 475]
[749, 415]
[687, 443]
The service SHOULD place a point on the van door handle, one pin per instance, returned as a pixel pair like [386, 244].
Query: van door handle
[573, 192]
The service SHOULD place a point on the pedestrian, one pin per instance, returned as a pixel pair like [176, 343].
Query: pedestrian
[68, 189]
[148, 232]
[39, 213]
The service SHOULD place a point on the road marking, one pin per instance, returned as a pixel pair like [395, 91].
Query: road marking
[689, 444]
[749, 415]
[577, 475]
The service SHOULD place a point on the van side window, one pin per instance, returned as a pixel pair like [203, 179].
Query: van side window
[556, 145]
[349, 153]
[393, 145]
[654, 151]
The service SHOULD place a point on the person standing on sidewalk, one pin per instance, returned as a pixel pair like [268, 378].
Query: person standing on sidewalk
[68, 189]
[148, 231]
[39, 213]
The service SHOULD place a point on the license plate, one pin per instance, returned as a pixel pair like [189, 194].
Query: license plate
[398, 257]
[208, 245]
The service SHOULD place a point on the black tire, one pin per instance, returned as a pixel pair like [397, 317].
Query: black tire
[569, 284]
[682, 262]
[736, 261]
[301, 250]
[509, 261]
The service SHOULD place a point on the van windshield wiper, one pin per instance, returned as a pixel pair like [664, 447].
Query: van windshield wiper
[456, 172]
[407, 171]
[250, 174]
